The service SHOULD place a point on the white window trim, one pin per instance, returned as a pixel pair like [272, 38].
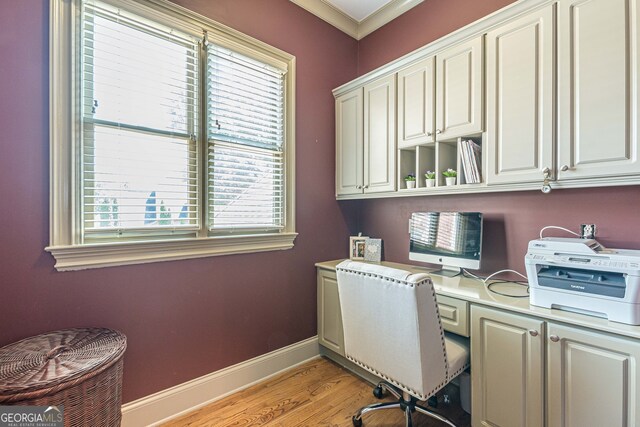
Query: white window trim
[64, 232]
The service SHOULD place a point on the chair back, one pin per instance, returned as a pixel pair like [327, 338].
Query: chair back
[392, 327]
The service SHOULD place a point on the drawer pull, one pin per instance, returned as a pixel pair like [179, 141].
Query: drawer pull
[449, 313]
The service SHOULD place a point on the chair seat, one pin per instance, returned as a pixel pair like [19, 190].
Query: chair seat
[457, 354]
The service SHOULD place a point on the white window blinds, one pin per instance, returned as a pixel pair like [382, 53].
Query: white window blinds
[245, 104]
[139, 97]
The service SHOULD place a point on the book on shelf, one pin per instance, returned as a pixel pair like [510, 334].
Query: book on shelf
[471, 156]
[466, 162]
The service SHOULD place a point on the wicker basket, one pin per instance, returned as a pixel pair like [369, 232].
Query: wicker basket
[79, 369]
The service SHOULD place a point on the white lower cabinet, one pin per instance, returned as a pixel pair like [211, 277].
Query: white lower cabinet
[330, 333]
[507, 369]
[591, 377]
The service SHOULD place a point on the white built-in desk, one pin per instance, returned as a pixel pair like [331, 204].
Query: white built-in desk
[530, 366]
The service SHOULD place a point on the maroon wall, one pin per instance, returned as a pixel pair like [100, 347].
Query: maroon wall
[421, 25]
[188, 318]
[511, 219]
[183, 319]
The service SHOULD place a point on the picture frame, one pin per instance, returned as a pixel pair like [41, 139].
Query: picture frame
[373, 250]
[357, 247]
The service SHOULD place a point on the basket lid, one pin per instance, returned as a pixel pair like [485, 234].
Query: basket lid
[56, 359]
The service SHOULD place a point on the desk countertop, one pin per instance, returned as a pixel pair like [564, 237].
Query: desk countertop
[476, 292]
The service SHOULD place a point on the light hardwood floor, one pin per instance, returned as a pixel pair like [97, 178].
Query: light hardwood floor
[317, 393]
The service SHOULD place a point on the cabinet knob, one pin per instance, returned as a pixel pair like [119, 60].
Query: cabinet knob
[359, 187]
[565, 168]
[429, 133]
[365, 187]
[533, 332]
[546, 187]
[554, 338]
[438, 131]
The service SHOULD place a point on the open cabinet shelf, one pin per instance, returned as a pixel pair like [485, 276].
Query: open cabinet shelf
[438, 157]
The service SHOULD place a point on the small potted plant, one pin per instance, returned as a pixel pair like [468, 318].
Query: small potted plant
[430, 178]
[450, 176]
[410, 180]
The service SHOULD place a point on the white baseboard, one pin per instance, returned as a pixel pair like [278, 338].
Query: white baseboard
[160, 407]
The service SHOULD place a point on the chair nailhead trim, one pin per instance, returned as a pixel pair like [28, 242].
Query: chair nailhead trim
[448, 376]
[389, 279]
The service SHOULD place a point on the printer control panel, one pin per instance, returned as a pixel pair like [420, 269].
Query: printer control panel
[615, 264]
[587, 261]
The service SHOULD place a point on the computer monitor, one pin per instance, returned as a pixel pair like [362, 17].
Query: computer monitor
[451, 239]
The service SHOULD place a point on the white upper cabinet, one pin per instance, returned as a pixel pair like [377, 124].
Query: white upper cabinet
[459, 90]
[349, 143]
[562, 86]
[416, 103]
[598, 88]
[380, 135]
[365, 138]
[520, 98]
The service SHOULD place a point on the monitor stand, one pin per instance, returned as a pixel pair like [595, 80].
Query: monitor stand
[447, 271]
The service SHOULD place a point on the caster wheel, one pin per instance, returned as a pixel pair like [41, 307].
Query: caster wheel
[356, 422]
[378, 392]
[432, 401]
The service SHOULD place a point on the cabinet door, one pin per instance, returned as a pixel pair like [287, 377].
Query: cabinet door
[507, 369]
[380, 135]
[520, 104]
[592, 379]
[330, 332]
[416, 103]
[349, 143]
[598, 82]
[459, 89]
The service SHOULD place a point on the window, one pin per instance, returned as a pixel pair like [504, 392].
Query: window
[171, 137]
[245, 150]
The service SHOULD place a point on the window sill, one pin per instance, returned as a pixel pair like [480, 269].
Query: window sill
[80, 257]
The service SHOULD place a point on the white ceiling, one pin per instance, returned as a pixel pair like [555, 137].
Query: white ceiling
[357, 17]
[358, 9]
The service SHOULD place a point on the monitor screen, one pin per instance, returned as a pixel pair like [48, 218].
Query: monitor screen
[451, 239]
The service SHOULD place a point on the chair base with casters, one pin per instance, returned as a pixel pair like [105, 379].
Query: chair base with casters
[407, 403]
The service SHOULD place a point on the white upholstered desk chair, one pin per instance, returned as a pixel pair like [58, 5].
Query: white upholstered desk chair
[392, 329]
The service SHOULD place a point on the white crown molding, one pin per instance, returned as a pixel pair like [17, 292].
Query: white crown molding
[357, 29]
[384, 15]
[330, 14]
[158, 408]
[474, 29]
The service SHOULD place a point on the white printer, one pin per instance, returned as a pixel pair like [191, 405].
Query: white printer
[581, 275]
